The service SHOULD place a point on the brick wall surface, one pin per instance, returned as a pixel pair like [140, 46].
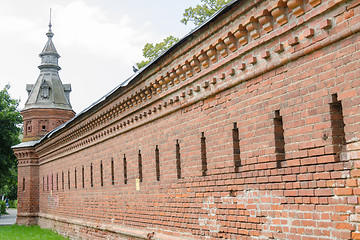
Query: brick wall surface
[250, 130]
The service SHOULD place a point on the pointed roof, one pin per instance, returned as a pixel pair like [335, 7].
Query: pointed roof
[48, 91]
[49, 55]
[49, 46]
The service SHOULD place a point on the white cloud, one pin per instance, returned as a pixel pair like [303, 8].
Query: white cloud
[10, 24]
[89, 28]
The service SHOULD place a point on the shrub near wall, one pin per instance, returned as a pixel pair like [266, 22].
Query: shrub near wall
[13, 204]
[2, 207]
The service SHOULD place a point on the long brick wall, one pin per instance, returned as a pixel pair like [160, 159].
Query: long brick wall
[248, 129]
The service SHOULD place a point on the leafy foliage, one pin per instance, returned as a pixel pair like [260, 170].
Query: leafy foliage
[9, 185]
[13, 203]
[152, 51]
[201, 12]
[2, 207]
[10, 118]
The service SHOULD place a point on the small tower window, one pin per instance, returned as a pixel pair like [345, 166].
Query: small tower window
[43, 125]
[28, 126]
[44, 90]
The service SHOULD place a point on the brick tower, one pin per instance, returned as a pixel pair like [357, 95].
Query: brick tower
[48, 103]
[47, 107]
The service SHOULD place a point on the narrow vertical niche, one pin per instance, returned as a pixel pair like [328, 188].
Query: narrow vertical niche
[47, 182]
[236, 147]
[91, 176]
[337, 125]
[43, 183]
[279, 139]
[101, 174]
[23, 187]
[178, 159]
[203, 155]
[140, 166]
[75, 178]
[125, 169]
[63, 181]
[157, 162]
[52, 181]
[69, 178]
[83, 176]
[112, 172]
[57, 181]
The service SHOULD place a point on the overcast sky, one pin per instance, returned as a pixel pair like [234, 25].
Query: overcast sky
[98, 40]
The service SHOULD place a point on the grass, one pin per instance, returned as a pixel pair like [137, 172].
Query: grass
[16, 232]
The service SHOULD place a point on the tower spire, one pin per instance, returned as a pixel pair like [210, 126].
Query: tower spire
[49, 55]
[50, 34]
[50, 19]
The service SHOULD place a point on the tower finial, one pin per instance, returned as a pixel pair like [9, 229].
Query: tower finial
[50, 33]
[50, 20]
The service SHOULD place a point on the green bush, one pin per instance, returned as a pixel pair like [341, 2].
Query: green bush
[13, 204]
[2, 207]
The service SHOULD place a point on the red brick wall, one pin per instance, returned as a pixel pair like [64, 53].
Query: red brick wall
[293, 172]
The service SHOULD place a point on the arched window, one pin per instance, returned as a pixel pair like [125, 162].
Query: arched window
[45, 90]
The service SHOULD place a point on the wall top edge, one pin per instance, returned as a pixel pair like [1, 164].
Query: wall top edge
[25, 144]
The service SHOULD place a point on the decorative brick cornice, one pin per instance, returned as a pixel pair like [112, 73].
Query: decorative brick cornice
[177, 85]
[26, 156]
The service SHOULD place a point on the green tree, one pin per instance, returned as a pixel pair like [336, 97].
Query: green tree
[152, 51]
[9, 187]
[201, 12]
[10, 119]
[198, 14]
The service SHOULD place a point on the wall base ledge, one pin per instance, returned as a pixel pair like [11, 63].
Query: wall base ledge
[27, 218]
[117, 229]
